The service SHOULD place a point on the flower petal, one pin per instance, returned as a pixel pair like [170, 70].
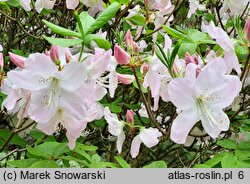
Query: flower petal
[120, 139]
[182, 125]
[181, 93]
[135, 146]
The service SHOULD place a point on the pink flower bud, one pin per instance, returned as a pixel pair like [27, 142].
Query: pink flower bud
[54, 53]
[188, 58]
[17, 60]
[121, 56]
[135, 47]
[128, 39]
[1, 61]
[125, 78]
[144, 68]
[175, 68]
[68, 57]
[130, 116]
[247, 29]
[191, 59]
[130, 43]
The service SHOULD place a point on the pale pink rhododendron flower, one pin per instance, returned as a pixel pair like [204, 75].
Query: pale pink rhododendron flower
[193, 6]
[17, 98]
[115, 127]
[147, 136]
[41, 4]
[55, 95]
[158, 76]
[203, 98]
[1, 58]
[233, 8]
[226, 44]
[25, 4]
[94, 5]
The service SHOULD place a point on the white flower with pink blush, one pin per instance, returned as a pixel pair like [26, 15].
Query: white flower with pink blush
[147, 136]
[233, 8]
[41, 4]
[55, 93]
[193, 6]
[115, 127]
[224, 41]
[203, 97]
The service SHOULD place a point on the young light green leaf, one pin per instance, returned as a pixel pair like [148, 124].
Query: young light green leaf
[227, 143]
[25, 163]
[63, 42]
[122, 162]
[101, 42]
[229, 161]
[157, 164]
[45, 164]
[60, 30]
[104, 17]
[86, 21]
[174, 33]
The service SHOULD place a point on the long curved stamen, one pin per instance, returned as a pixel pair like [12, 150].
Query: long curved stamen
[204, 111]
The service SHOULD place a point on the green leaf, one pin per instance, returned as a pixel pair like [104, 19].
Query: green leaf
[86, 147]
[101, 42]
[122, 162]
[157, 164]
[244, 145]
[229, 161]
[174, 33]
[25, 163]
[70, 158]
[242, 154]
[109, 164]
[187, 47]
[45, 164]
[202, 166]
[227, 143]
[60, 30]
[49, 149]
[86, 21]
[215, 160]
[115, 108]
[198, 37]
[138, 20]
[63, 42]
[84, 154]
[104, 17]
[174, 54]
[16, 140]
[14, 3]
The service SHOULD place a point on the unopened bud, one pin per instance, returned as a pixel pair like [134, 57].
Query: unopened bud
[54, 54]
[1, 61]
[121, 56]
[68, 57]
[130, 116]
[125, 78]
[144, 68]
[17, 60]
[247, 29]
